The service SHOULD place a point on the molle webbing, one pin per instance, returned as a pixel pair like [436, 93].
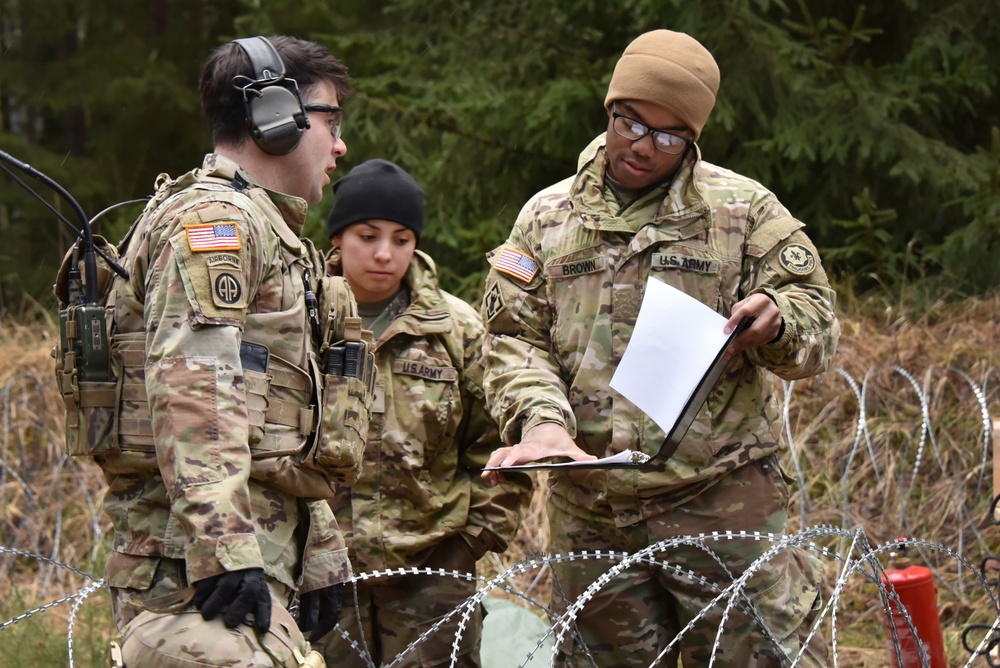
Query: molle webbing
[266, 406]
[135, 430]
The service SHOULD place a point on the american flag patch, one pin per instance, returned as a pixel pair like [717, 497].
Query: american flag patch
[516, 264]
[213, 237]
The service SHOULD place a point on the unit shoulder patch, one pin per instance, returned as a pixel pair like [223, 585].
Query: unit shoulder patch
[219, 236]
[797, 259]
[227, 289]
[493, 302]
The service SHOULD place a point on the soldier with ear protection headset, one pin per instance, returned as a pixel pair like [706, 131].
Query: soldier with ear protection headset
[275, 113]
[222, 459]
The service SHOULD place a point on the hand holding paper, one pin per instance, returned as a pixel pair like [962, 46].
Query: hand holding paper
[674, 358]
[675, 341]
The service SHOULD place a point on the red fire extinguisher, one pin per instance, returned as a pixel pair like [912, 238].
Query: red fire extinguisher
[915, 587]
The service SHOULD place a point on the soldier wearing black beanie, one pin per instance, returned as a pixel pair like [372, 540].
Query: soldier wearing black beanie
[377, 190]
[428, 429]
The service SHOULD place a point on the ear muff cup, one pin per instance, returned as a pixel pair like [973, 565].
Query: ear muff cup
[276, 120]
[274, 111]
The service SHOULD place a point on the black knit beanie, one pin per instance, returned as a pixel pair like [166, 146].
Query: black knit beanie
[377, 190]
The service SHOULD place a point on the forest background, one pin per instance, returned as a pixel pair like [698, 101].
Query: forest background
[876, 124]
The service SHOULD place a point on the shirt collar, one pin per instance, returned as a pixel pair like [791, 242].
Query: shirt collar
[292, 209]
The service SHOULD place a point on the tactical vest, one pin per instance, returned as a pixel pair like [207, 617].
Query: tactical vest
[307, 427]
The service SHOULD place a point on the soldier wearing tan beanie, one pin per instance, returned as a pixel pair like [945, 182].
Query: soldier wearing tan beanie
[561, 302]
[669, 69]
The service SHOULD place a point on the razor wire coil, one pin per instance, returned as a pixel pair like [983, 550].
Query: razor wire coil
[847, 544]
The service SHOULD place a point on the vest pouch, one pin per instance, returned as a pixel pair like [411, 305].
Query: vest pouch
[89, 396]
[257, 386]
[346, 406]
[335, 300]
[128, 357]
[91, 408]
[281, 418]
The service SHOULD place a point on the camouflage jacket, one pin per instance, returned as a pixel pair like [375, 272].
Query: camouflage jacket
[428, 437]
[216, 263]
[563, 295]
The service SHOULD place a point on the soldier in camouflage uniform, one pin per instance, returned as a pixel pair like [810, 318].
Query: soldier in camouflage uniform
[419, 502]
[561, 302]
[217, 485]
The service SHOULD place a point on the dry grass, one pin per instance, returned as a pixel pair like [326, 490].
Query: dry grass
[946, 500]
[46, 506]
[48, 500]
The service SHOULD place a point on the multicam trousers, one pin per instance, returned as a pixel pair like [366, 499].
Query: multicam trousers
[671, 607]
[159, 628]
[394, 613]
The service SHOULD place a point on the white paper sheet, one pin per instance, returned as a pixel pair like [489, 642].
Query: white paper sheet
[674, 342]
[624, 457]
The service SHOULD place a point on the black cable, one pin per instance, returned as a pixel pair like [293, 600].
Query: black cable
[89, 255]
[84, 234]
[76, 231]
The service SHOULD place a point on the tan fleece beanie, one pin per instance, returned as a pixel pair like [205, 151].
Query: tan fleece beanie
[670, 69]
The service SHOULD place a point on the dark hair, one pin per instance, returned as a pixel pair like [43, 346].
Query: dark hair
[222, 103]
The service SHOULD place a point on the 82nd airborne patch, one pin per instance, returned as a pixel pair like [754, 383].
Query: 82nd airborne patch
[797, 259]
[227, 289]
[226, 281]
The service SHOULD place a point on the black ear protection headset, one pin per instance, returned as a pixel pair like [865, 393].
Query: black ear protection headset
[274, 109]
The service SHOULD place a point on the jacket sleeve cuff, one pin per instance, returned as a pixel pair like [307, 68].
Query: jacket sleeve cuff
[325, 569]
[788, 333]
[541, 417]
[206, 557]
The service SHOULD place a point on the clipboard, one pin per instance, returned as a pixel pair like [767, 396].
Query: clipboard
[631, 459]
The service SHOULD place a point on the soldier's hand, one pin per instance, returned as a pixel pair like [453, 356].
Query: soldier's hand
[319, 610]
[540, 442]
[764, 328]
[236, 593]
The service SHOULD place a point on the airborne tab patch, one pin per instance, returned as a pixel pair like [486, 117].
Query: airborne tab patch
[221, 236]
[223, 259]
[797, 259]
[516, 264]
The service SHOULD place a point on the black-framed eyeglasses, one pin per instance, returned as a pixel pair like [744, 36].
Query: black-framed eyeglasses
[337, 123]
[664, 141]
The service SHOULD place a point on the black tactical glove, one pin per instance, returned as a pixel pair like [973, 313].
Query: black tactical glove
[236, 592]
[319, 611]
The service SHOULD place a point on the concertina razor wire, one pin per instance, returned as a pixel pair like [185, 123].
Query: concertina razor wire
[890, 427]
